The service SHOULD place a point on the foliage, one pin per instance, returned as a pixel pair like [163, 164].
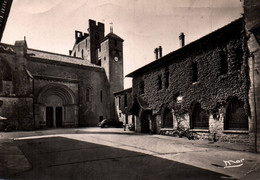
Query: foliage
[213, 89]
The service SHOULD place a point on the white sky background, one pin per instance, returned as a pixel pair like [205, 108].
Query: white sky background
[49, 25]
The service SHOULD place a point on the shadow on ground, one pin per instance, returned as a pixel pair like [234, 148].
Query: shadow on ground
[63, 158]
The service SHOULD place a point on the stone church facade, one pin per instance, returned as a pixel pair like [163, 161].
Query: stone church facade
[40, 89]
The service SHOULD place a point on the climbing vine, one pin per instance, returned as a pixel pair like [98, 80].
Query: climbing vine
[212, 88]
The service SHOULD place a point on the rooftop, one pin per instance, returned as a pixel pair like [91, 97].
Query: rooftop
[195, 44]
[123, 91]
[59, 57]
[112, 36]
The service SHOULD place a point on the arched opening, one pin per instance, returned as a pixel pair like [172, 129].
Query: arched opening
[199, 117]
[236, 117]
[167, 118]
[145, 124]
[58, 103]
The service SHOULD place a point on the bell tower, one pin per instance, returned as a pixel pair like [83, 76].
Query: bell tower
[111, 59]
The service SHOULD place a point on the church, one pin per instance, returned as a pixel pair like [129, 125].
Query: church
[40, 89]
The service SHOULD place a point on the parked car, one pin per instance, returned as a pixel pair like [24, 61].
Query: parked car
[110, 123]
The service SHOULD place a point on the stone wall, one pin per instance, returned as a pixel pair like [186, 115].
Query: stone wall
[122, 108]
[16, 92]
[215, 132]
[79, 79]
[216, 88]
[213, 89]
[254, 93]
[252, 23]
[18, 111]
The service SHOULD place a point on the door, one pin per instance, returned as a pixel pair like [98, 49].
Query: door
[49, 116]
[145, 125]
[58, 116]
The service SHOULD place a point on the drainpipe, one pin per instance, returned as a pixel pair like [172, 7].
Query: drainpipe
[253, 78]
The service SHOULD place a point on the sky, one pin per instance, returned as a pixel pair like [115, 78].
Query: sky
[49, 25]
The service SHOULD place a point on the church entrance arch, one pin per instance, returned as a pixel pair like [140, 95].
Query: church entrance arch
[56, 106]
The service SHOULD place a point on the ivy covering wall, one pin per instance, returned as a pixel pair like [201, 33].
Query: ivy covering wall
[212, 88]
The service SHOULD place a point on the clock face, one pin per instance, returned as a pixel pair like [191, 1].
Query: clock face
[116, 58]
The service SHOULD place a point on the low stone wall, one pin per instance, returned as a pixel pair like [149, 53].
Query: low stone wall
[215, 132]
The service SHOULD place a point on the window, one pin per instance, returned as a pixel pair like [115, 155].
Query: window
[101, 96]
[194, 72]
[142, 87]
[125, 100]
[159, 82]
[88, 95]
[167, 119]
[78, 48]
[239, 57]
[6, 77]
[166, 79]
[82, 53]
[199, 118]
[223, 62]
[235, 116]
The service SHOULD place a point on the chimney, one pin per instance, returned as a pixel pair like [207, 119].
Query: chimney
[111, 27]
[160, 51]
[156, 53]
[182, 39]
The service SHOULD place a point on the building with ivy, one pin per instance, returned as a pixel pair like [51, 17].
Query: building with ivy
[208, 88]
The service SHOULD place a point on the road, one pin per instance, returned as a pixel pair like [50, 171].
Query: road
[93, 153]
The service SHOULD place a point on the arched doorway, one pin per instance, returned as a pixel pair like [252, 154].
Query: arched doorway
[167, 118]
[56, 106]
